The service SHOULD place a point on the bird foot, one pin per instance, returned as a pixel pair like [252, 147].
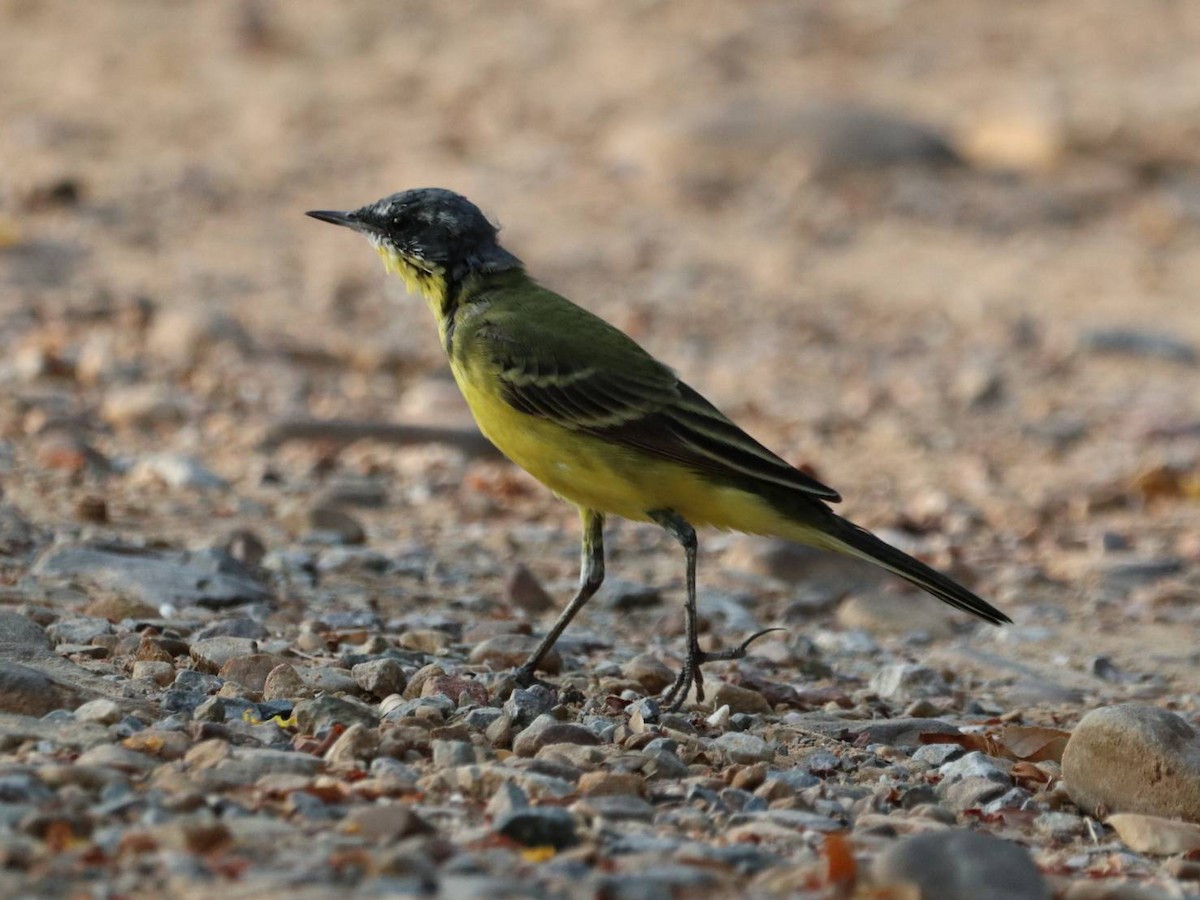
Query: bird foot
[690, 673]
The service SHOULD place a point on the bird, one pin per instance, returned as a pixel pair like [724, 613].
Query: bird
[589, 413]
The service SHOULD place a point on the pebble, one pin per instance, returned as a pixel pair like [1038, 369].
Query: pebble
[739, 699]
[648, 670]
[546, 730]
[543, 826]
[507, 651]
[102, 711]
[1154, 835]
[744, 748]
[908, 681]
[1134, 758]
[524, 592]
[961, 865]
[380, 677]
[284, 683]
[249, 671]
[175, 471]
[523, 706]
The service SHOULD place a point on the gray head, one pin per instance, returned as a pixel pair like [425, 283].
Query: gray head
[432, 230]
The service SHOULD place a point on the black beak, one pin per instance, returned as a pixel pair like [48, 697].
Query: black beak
[335, 218]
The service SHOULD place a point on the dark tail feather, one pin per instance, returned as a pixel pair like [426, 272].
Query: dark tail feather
[846, 537]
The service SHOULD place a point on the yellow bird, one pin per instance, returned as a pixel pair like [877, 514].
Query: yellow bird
[594, 417]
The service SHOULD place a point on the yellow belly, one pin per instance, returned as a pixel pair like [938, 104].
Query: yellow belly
[600, 475]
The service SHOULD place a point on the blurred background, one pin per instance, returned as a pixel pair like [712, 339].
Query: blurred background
[947, 252]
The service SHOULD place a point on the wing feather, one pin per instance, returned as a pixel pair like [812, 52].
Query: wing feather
[649, 409]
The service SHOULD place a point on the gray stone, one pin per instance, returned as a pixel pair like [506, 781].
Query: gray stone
[209, 578]
[30, 692]
[211, 654]
[546, 730]
[973, 765]
[380, 677]
[908, 681]
[895, 732]
[523, 706]
[507, 798]
[615, 807]
[447, 754]
[318, 714]
[970, 793]
[246, 765]
[937, 754]
[1134, 758]
[101, 711]
[543, 826]
[744, 748]
[961, 865]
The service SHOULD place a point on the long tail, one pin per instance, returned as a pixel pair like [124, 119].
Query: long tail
[845, 537]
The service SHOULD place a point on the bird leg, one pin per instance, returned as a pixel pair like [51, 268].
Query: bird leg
[690, 674]
[591, 576]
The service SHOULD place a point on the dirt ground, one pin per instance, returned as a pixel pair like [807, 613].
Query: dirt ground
[946, 253]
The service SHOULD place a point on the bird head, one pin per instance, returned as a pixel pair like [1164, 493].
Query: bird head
[428, 236]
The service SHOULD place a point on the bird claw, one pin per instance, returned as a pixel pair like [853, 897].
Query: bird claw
[690, 673]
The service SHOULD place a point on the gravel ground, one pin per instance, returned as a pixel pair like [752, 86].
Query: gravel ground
[262, 584]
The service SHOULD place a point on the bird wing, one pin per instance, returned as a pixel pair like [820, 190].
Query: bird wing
[609, 387]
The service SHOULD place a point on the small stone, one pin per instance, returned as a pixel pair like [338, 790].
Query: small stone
[175, 471]
[507, 798]
[143, 405]
[750, 777]
[740, 699]
[744, 748]
[27, 691]
[462, 691]
[649, 671]
[546, 730]
[961, 865]
[523, 591]
[970, 793]
[101, 711]
[328, 679]
[380, 677]
[250, 671]
[973, 765]
[603, 783]
[388, 821]
[1134, 758]
[320, 713]
[615, 807]
[938, 754]
[902, 733]
[507, 651]
[424, 640]
[720, 718]
[157, 671]
[330, 524]
[523, 706]
[1060, 825]
[210, 654]
[1155, 835]
[905, 681]
[448, 754]
[545, 826]
[117, 608]
[284, 683]
[354, 749]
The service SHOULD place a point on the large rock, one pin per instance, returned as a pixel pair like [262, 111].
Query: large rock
[1134, 758]
[961, 865]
